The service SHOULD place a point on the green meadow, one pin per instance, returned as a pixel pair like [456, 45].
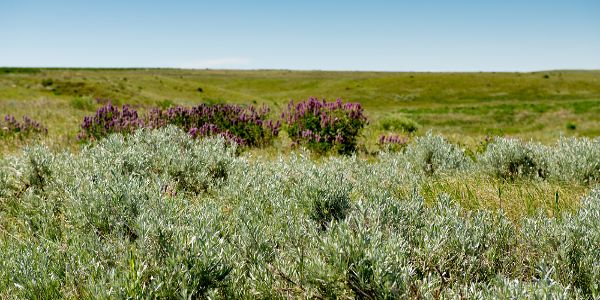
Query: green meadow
[465, 107]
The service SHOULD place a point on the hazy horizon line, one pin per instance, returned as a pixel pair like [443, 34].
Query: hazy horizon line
[299, 70]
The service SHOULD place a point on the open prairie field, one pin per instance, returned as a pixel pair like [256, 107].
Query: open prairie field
[191, 194]
[465, 107]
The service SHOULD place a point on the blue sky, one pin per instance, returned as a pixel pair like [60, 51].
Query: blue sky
[427, 35]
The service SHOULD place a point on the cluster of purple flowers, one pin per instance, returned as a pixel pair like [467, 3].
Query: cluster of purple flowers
[318, 124]
[392, 142]
[212, 130]
[109, 119]
[322, 125]
[243, 125]
[10, 126]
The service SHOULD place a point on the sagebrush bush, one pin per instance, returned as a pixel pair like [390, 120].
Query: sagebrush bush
[431, 155]
[158, 214]
[576, 159]
[37, 167]
[511, 159]
[323, 126]
[8, 178]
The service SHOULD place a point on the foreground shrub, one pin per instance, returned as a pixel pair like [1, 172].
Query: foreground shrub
[433, 155]
[323, 126]
[511, 159]
[109, 119]
[158, 214]
[10, 127]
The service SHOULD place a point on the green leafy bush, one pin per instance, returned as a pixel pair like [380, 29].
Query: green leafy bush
[82, 103]
[330, 204]
[164, 104]
[47, 82]
[400, 124]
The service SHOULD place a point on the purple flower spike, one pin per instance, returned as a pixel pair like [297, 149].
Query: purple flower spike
[27, 127]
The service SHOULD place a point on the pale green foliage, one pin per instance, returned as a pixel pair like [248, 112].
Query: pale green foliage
[511, 159]
[577, 159]
[7, 178]
[434, 155]
[570, 160]
[158, 215]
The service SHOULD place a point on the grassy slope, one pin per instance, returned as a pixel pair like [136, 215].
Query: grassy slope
[463, 106]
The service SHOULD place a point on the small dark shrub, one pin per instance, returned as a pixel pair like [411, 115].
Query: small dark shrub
[323, 126]
[329, 206]
[38, 168]
[571, 126]
[200, 90]
[72, 88]
[47, 82]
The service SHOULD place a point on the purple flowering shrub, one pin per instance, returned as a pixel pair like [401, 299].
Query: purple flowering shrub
[11, 127]
[392, 142]
[323, 126]
[245, 126]
[109, 119]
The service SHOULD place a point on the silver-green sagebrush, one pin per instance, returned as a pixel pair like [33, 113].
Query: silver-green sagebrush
[157, 214]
